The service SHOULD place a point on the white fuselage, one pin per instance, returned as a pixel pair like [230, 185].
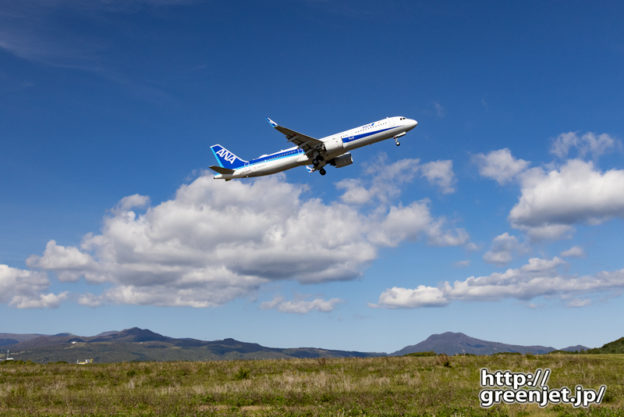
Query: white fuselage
[335, 145]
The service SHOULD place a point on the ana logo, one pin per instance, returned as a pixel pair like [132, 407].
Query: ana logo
[228, 156]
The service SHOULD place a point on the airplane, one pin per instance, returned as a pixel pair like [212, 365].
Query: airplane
[333, 149]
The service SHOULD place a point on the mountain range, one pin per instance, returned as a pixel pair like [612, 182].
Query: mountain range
[137, 344]
[144, 345]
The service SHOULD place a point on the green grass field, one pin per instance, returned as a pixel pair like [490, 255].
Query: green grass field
[394, 386]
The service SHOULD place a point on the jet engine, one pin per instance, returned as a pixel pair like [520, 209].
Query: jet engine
[334, 146]
[342, 160]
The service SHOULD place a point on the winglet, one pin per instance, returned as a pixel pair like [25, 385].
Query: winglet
[271, 122]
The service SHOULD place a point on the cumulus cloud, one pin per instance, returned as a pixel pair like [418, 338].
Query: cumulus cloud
[411, 223]
[131, 202]
[422, 296]
[557, 196]
[587, 144]
[25, 289]
[542, 265]
[573, 252]
[385, 179]
[69, 262]
[551, 202]
[504, 246]
[216, 241]
[355, 192]
[49, 300]
[301, 306]
[382, 181]
[90, 300]
[440, 173]
[538, 278]
[547, 231]
[500, 165]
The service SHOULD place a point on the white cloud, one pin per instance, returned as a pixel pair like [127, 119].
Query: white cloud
[542, 265]
[216, 241]
[69, 262]
[504, 246]
[500, 165]
[440, 173]
[411, 223]
[132, 201]
[552, 202]
[355, 192]
[382, 181]
[90, 300]
[547, 231]
[25, 289]
[573, 252]
[587, 144]
[301, 306]
[49, 300]
[538, 278]
[421, 296]
[385, 179]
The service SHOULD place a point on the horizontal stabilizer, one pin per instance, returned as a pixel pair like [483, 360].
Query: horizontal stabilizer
[222, 170]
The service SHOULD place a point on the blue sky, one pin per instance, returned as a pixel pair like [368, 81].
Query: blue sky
[499, 216]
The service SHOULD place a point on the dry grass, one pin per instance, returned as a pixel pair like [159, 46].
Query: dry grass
[435, 385]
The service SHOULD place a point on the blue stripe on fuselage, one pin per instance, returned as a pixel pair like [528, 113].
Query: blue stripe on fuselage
[277, 155]
[362, 135]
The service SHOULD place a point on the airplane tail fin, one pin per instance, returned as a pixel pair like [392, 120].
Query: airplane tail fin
[226, 159]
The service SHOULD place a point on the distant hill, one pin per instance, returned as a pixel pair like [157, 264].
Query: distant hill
[9, 339]
[144, 345]
[617, 346]
[576, 348]
[457, 343]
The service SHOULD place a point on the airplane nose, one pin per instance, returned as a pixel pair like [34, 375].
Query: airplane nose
[412, 124]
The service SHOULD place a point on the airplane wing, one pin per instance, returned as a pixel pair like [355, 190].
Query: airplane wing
[305, 142]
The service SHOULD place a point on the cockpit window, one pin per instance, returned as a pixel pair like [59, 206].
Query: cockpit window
[402, 118]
